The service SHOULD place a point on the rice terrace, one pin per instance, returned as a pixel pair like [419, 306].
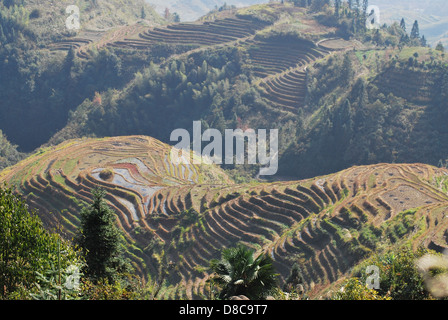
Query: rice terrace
[186, 214]
[359, 116]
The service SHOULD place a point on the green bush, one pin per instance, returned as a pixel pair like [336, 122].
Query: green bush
[354, 289]
[27, 249]
[399, 277]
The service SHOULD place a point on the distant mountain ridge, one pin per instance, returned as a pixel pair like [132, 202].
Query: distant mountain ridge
[191, 10]
[432, 16]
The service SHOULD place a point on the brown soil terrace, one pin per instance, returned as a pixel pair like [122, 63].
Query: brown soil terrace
[292, 220]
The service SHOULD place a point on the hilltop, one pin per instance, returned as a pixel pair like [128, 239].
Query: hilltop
[184, 215]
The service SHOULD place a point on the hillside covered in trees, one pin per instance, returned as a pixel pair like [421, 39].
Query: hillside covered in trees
[361, 114]
[229, 71]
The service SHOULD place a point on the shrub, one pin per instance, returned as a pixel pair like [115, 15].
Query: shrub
[35, 14]
[26, 248]
[399, 275]
[354, 289]
[106, 174]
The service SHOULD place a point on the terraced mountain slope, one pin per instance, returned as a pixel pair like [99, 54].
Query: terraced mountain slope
[280, 64]
[57, 180]
[184, 215]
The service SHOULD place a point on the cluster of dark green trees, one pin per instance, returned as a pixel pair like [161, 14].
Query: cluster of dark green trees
[414, 38]
[213, 86]
[367, 123]
[351, 17]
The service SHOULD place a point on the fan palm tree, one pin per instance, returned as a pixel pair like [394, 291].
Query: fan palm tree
[239, 273]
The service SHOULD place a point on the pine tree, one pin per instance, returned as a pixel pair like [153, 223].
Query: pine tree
[361, 98]
[69, 61]
[357, 7]
[2, 35]
[295, 280]
[347, 69]
[176, 17]
[365, 5]
[343, 124]
[423, 41]
[167, 14]
[403, 24]
[415, 33]
[100, 240]
[337, 7]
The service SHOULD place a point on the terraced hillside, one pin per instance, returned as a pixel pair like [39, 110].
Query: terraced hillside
[287, 90]
[132, 169]
[282, 66]
[273, 56]
[277, 62]
[49, 18]
[206, 33]
[327, 224]
[186, 214]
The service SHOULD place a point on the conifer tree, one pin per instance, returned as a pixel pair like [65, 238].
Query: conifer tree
[337, 7]
[403, 24]
[365, 5]
[350, 4]
[347, 70]
[415, 33]
[423, 41]
[440, 47]
[357, 7]
[100, 240]
[2, 35]
[69, 61]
